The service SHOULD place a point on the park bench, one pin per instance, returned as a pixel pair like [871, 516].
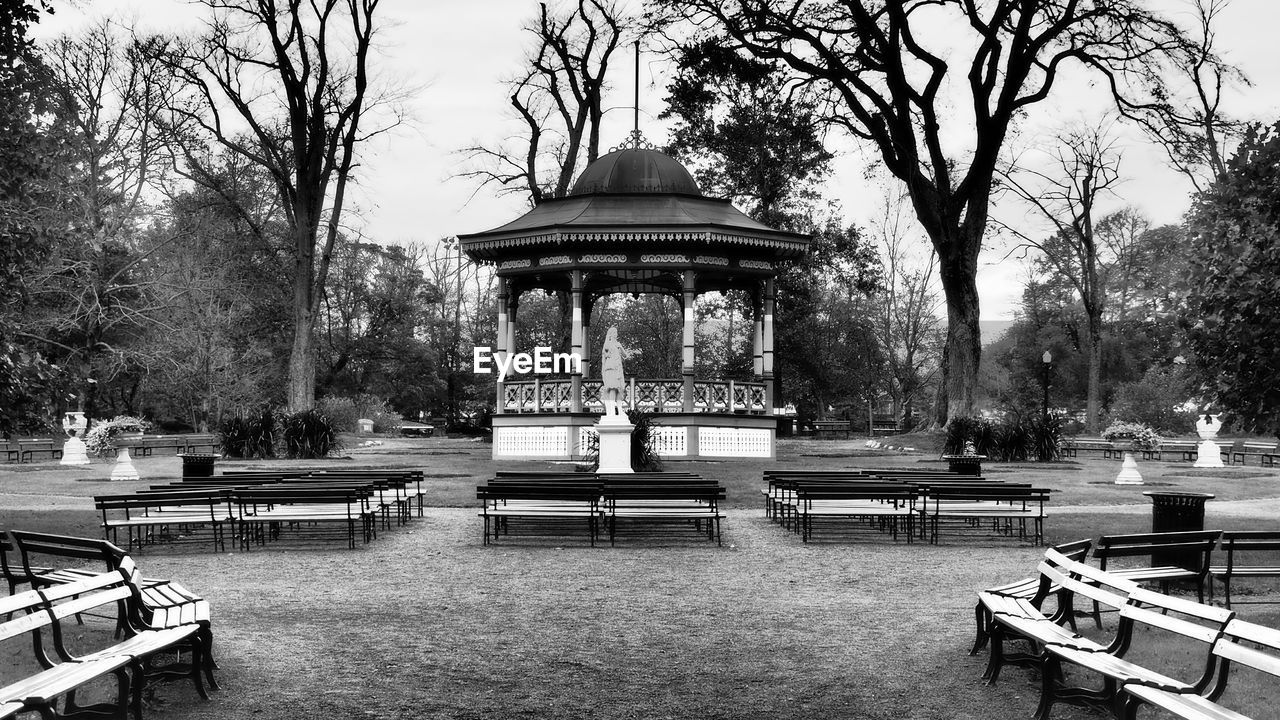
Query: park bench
[25, 449]
[15, 571]
[1190, 621]
[263, 511]
[1184, 449]
[166, 514]
[1072, 447]
[1020, 618]
[884, 426]
[1032, 590]
[887, 504]
[576, 504]
[1242, 645]
[1264, 451]
[411, 482]
[824, 427]
[196, 441]
[162, 603]
[1172, 556]
[1005, 504]
[647, 501]
[1250, 554]
[70, 666]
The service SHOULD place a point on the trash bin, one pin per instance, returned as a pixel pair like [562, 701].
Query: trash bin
[1177, 512]
[965, 464]
[198, 465]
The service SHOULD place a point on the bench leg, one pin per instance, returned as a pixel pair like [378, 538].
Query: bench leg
[981, 621]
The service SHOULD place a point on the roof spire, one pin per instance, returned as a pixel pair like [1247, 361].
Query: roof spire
[636, 140]
[635, 130]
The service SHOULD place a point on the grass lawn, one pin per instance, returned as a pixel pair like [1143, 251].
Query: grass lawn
[428, 622]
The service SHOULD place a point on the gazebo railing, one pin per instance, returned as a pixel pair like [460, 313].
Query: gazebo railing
[653, 396]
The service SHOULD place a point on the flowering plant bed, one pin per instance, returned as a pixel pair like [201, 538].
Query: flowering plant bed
[1138, 436]
[101, 439]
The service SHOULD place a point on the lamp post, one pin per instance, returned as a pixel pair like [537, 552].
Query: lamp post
[1047, 360]
[455, 357]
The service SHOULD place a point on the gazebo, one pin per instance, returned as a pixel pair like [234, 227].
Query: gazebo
[636, 222]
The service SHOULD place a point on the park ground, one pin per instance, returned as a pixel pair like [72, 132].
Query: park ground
[427, 622]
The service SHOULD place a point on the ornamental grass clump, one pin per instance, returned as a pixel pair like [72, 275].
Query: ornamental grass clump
[1133, 437]
[309, 434]
[250, 436]
[101, 439]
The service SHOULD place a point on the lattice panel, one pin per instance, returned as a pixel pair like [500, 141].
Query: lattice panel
[591, 396]
[734, 442]
[531, 442]
[511, 397]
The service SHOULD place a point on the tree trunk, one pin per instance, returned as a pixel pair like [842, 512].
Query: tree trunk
[302, 357]
[1094, 400]
[963, 350]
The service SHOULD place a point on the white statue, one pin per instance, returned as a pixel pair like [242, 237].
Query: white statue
[612, 380]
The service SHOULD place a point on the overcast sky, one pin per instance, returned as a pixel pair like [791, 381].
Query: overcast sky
[455, 54]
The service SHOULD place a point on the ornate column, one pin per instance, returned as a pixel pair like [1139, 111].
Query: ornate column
[513, 304]
[587, 303]
[757, 337]
[766, 347]
[689, 355]
[500, 339]
[576, 338]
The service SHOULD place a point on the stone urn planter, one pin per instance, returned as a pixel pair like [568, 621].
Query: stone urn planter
[1208, 454]
[73, 450]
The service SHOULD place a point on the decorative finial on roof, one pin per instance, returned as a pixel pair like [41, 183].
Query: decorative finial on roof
[634, 141]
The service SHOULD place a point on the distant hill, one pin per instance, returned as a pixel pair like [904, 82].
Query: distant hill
[992, 330]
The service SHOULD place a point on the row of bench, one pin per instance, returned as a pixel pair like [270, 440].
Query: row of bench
[150, 618]
[254, 506]
[1186, 450]
[25, 450]
[1022, 611]
[569, 503]
[917, 503]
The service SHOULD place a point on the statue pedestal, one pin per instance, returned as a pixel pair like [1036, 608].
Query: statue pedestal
[1208, 454]
[124, 469]
[73, 452]
[615, 444]
[1129, 474]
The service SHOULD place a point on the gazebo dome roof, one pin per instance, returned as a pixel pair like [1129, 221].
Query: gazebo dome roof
[636, 170]
[634, 198]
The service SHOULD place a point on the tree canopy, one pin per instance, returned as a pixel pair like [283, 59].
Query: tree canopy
[896, 82]
[1232, 305]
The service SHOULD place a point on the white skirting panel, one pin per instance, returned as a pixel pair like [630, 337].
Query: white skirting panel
[531, 442]
[670, 441]
[667, 441]
[734, 442]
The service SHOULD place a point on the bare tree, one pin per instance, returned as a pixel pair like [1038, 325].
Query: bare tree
[906, 86]
[1194, 131]
[91, 297]
[1085, 167]
[295, 77]
[907, 326]
[559, 101]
